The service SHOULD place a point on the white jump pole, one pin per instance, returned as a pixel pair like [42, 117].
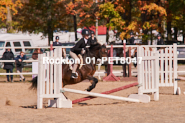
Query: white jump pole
[100, 95]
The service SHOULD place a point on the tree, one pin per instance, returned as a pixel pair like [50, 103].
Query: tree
[112, 17]
[145, 15]
[85, 10]
[175, 20]
[7, 9]
[152, 15]
[44, 16]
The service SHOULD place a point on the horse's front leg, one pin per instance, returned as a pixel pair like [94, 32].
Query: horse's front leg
[93, 82]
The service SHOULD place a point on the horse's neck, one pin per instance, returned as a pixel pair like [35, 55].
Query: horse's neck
[91, 55]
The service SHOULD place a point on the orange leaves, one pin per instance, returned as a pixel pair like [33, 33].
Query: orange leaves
[146, 25]
[139, 2]
[133, 26]
[86, 11]
[122, 35]
[120, 9]
[69, 8]
[153, 8]
[87, 16]
[8, 3]
[82, 14]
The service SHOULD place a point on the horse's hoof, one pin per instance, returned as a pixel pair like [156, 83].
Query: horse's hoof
[88, 90]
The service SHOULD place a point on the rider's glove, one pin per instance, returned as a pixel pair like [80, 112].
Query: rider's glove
[83, 51]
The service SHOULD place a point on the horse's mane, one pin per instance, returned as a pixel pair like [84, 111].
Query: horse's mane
[94, 47]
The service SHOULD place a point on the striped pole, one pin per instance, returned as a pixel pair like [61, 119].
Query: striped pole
[106, 92]
[100, 95]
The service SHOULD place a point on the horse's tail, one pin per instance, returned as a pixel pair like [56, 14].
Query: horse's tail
[34, 83]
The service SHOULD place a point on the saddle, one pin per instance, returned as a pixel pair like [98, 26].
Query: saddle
[81, 63]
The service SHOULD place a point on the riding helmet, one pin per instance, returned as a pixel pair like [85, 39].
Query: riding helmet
[85, 32]
[57, 38]
[159, 35]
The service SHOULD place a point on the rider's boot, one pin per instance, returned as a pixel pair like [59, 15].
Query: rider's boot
[74, 75]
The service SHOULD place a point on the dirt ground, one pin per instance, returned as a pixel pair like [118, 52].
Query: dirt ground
[18, 105]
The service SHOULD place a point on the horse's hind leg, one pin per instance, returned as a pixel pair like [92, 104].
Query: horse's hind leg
[93, 81]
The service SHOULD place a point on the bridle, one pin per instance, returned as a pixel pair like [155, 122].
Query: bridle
[99, 53]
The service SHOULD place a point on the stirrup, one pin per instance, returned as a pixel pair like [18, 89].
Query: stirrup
[76, 74]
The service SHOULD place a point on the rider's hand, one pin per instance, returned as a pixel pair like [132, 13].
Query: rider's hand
[83, 51]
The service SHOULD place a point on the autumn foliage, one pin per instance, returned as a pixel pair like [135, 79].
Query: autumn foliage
[138, 16]
[12, 5]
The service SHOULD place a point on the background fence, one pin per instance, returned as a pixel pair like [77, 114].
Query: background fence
[100, 72]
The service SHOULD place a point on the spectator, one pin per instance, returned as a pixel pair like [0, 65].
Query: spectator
[35, 53]
[159, 41]
[132, 38]
[8, 66]
[57, 43]
[19, 64]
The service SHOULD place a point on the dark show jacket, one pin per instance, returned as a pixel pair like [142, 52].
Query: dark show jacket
[8, 56]
[160, 41]
[132, 41]
[57, 44]
[92, 41]
[18, 63]
[79, 45]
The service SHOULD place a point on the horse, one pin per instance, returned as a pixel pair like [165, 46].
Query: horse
[87, 70]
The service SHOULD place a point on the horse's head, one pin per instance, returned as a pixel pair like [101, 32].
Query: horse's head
[103, 51]
[98, 50]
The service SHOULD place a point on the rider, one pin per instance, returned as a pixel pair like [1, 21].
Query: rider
[79, 48]
[92, 39]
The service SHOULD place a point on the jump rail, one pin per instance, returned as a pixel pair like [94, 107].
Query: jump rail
[100, 95]
[106, 92]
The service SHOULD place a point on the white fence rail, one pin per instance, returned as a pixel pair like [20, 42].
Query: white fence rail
[98, 73]
[51, 86]
[148, 76]
[155, 65]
